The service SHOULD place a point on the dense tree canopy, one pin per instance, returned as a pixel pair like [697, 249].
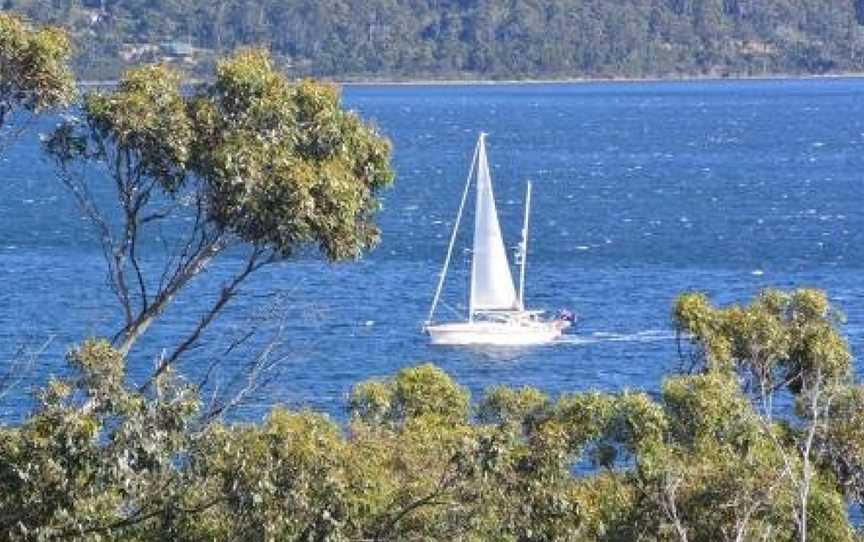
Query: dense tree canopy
[249, 162]
[34, 73]
[782, 340]
[475, 38]
[417, 460]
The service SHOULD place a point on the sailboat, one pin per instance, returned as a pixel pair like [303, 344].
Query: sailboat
[496, 313]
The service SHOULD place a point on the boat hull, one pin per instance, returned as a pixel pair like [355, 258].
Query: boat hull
[494, 333]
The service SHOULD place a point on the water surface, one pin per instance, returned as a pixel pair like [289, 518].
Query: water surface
[641, 191]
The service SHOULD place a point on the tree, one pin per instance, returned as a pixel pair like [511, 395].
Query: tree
[843, 441]
[781, 342]
[99, 459]
[34, 77]
[34, 73]
[254, 162]
[70, 472]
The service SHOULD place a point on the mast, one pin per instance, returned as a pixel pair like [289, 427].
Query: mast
[523, 247]
[443, 273]
[481, 148]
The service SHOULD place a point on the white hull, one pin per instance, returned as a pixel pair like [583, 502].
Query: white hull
[495, 333]
[496, 312]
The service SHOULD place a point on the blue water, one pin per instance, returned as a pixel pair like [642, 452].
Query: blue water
[641, 191]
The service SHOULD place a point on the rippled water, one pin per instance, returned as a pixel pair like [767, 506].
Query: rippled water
[641, 191]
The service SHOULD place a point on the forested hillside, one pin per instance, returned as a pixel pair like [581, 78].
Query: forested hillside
[470, 38]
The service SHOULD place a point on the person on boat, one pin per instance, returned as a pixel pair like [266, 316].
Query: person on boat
[566, 317]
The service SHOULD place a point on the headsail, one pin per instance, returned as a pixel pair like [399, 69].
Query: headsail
[491, 281]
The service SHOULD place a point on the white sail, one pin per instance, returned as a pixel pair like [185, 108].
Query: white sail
[497, 315]
[491, 281]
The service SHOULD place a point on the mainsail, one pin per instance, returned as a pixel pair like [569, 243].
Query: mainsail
[491, 281]
[497, 315]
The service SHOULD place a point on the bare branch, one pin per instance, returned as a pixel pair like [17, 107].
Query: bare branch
[255, 261]
[111, 249]
[431, 499]
[263, 365]
[128, 336]
[265, 359]
[21, 365]
[670, 506]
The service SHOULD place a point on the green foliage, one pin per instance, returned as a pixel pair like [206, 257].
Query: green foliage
[781, 339]
[285, 163]
[481, 38]
[140, 470]
[100, 461]
[282, 480]
[102, 369]
[249, 161]
[707, 408]
[844, 440]
[34, 70]
[720, 466]
[145, 117]
[94, 458]
[508, 407]
[414, 392]
[278, 165]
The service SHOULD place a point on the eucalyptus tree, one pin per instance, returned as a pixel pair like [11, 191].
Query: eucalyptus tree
[100, 460]
[97, 460]
[250, 162]
[785, 342]
[34, 73]
[781, 341]
[34, 77]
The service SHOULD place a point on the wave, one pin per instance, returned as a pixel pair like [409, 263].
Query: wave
[649, 335]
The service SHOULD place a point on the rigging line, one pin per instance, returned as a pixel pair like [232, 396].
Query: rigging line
[451, 308]
[523, 247]
[453, 235]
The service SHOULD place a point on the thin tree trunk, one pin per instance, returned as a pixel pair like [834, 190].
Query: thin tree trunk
[228, 291]
[134, 331]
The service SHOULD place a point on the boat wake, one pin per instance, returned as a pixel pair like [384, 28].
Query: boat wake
[651, 335]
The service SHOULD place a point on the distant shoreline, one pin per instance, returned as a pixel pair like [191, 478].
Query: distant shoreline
[590, 80]
[561, 81]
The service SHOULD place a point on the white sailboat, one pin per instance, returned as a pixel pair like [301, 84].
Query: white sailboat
[497, 313]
